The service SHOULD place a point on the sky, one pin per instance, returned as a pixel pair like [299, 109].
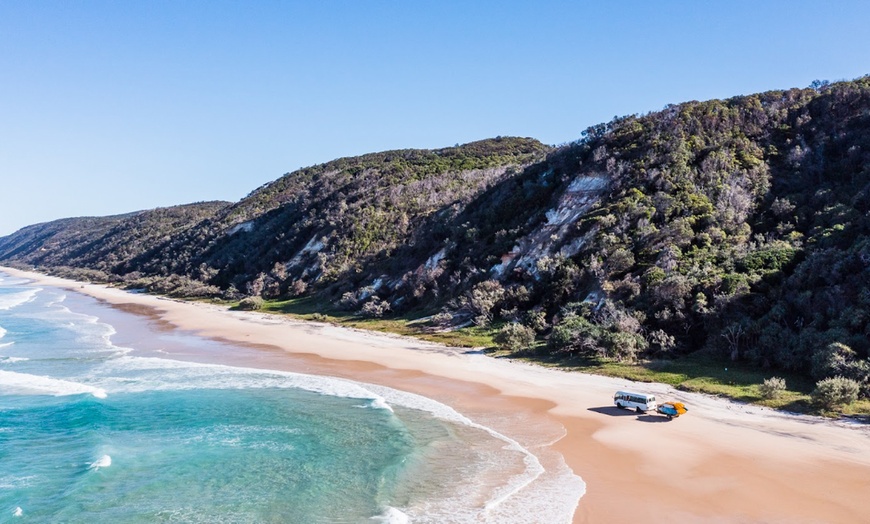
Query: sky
[111, 107]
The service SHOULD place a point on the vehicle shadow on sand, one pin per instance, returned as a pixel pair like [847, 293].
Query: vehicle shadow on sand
[649, 417]
[614, 411]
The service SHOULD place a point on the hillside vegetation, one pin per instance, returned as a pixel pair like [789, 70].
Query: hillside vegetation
[734, 229]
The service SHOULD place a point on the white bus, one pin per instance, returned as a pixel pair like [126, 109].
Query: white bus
[639, 401]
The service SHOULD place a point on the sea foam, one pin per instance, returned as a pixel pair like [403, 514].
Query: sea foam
[25, 383]
[504, 501]
[89, 331]
[533, 467]
[158, 374]
[392, 516]
[13, 300]
[103, 462]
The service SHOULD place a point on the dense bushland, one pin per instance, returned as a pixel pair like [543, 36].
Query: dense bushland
[738, 228]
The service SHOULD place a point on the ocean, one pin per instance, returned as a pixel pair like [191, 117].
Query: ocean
[103, 419]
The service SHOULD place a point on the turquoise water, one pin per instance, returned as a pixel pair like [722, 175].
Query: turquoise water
[94, 432]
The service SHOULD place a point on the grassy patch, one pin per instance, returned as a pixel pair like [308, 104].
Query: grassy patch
[698, 372]
[412, 324]
[859, 409]
[703, 374]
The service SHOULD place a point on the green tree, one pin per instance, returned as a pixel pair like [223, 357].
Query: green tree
[515, 337]
[831, 360]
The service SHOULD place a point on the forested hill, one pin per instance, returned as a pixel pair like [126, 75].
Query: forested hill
[99, 244]
[738, 226]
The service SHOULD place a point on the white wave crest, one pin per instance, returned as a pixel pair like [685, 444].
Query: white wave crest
[158, 374]
[533, 467]
[13, 300]
[30, 384]
[103, 462]
[87, 328]
[560, 480]
[512, 501]
[392, 516]
[380, 403]
[18, 512]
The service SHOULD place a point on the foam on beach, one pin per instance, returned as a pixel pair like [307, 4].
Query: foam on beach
[519, 499]
[521, 485]
[94, 336]
[3, 334]
[519, 493]
[13, 300]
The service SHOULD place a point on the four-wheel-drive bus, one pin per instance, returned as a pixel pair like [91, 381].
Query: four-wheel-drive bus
[639, 401]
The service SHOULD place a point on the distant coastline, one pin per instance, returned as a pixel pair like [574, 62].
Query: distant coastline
[721, 460]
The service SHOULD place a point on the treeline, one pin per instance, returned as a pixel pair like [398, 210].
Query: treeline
[738, 227]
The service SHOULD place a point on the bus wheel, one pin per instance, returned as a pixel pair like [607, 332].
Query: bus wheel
[638, 410]
[620, 406]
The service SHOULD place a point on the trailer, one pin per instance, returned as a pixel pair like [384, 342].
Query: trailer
[672, 409]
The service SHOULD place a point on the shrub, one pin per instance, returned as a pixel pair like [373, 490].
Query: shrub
[348, 301]
[836, 391]
[515, 336]
[772, 387]
[375, 308]
[537, 320]
[483, 299]
[442, 320]
[182, 287]
[623, 346]
[251, 304]
[663, 340]
[298, 288]
[574, 333]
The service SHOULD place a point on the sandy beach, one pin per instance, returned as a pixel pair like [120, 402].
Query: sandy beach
[722, 462]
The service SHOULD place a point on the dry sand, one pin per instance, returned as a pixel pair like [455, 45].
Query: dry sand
[722, 462]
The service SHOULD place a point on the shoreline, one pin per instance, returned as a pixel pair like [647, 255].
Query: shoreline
[723, 461]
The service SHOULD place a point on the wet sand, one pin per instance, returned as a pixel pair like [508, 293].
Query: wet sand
[722, 462]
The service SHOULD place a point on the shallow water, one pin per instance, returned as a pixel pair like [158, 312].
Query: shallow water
[91, 431]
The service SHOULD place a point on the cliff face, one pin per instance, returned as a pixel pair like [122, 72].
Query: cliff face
[739, 225]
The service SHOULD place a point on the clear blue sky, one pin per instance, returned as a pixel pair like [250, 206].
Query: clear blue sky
[110, 107]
